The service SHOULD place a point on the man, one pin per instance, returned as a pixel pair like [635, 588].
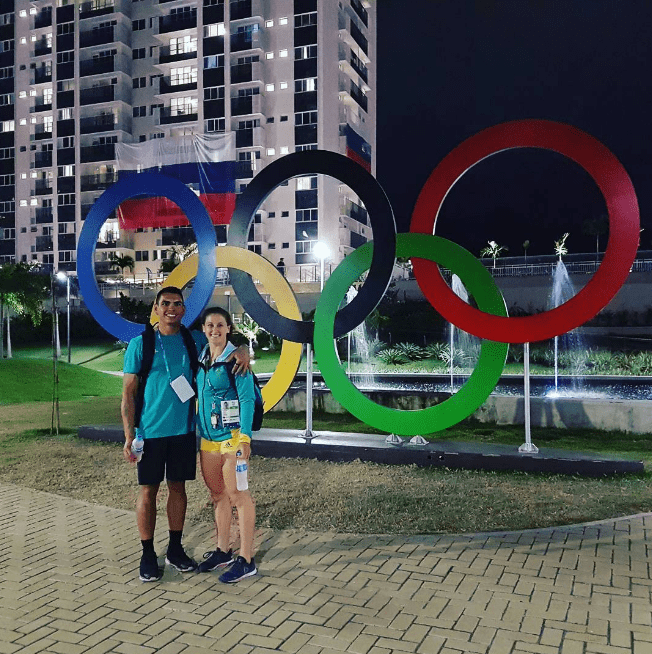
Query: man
[167, 424]
[280, 266]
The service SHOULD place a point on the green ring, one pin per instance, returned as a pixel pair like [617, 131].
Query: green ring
[478, 282]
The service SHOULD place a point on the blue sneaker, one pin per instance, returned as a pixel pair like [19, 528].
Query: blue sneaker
[181, 561]
[149, 570]
[214, 560]
[239, 570]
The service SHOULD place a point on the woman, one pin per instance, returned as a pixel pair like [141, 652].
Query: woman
[225, 435]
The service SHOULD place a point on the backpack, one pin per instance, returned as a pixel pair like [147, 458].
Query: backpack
[149, 340]
[259, 409]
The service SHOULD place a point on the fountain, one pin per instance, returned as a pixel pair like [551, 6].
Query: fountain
[467, 345]
[571, 343]
[359, 346]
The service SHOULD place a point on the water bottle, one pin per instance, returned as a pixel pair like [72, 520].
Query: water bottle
[137, 447]
[241, 467]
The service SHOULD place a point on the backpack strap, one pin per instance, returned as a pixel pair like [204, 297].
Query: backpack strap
[148, 337]
[191, 346]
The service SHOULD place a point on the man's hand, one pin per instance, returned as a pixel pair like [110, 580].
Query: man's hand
[242, 360]
[126, 450]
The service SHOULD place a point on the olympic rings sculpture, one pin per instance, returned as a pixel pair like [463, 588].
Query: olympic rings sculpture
[489, 321]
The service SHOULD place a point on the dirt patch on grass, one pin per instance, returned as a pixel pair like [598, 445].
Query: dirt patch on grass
[315, 495]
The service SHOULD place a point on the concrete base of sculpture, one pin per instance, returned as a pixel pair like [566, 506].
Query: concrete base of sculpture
[341, 446]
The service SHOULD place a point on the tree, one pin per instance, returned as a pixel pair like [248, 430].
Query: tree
[493, 250]
[122, 261]
[250, 330]
[560, 246]
[526, 245]
[596, 227]
[23, 290]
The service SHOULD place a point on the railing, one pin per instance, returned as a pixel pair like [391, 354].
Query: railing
[177, 22]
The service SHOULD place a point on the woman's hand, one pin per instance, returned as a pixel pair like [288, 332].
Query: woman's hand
[244, 451]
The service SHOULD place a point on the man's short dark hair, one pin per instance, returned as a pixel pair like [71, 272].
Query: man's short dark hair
[172, 290]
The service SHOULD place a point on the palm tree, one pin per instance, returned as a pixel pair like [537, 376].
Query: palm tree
[122, 261]
[493, 250]
[560, 246]
[596, 227]
[526, 245]
[250, 330]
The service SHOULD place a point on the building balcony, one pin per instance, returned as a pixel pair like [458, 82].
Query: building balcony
[65, 99]
[246, 41]
[101, 65]
[85, 208]
[65, 156]
[178, 22]
[96, 8]
[173, 115]
[246, 105]
[103, 152]
[104, 122]
[360, 10]
[104, 35]
[65, 184]
[350, 93]
[42, 159]
[66, 70]
[43, 18]
[42, 75]
[66, 127]
[98, 182]
[43, 47]
[42, 131]
[355, 211]
[252, 72]
[213, 45]
[44, 244]
[176, 85]
[66, 213]
[357, 43]
[168, 56]
[97, 94]
[244, 169]
[41, 104]
[213, 14]
[43, 215]
[67, 242]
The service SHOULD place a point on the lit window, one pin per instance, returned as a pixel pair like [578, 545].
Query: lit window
[283, 21]
[23, 40]
[23, 13]
[269, 23]
[33, 202]
[33, 175]
[23, 203]
[284, 149]
[23, 121]
[271, 152]
[283, 85]
[32, 11]
[22, 94]
[283, 53]
[269, 87]
[269, 55]
[32, 92]
[23, 175]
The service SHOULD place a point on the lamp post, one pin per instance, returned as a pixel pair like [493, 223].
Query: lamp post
[61, 276]
[321, 251]
[228, 300]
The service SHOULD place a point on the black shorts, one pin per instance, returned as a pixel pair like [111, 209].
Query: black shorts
[171, 457]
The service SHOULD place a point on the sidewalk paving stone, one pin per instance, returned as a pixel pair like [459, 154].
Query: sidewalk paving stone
[69, 585]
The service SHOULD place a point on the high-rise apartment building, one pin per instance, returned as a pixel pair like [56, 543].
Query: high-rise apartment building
[76, 78]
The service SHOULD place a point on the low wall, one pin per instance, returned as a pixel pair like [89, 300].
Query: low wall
[629, 416]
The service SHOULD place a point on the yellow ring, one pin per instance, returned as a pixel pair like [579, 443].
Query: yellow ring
[279, 289]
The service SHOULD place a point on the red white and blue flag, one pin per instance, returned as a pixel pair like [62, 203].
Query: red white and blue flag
[205, 162]
[357, 148]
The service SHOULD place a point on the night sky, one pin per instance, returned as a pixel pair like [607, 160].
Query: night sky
[450, 68]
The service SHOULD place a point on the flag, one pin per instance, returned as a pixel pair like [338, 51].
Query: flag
[357, 148]
[205, 162]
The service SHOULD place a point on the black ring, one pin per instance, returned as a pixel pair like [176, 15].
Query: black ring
[383, 225]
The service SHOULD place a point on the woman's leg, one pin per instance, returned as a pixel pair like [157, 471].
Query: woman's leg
[243, 503]
[212, 464]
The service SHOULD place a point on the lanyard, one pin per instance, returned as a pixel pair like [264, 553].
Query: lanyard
[165, 358]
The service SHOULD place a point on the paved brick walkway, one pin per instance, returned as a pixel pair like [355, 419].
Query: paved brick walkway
[68, 584]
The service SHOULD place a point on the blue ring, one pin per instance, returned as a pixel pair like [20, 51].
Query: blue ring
[155, 185]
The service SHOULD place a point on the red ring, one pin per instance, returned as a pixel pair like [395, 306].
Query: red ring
[624, 224]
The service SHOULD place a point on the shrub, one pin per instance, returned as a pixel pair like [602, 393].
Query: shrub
[392, 356]
[411, 351]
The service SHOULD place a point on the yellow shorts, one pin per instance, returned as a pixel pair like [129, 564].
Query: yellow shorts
[229, 446]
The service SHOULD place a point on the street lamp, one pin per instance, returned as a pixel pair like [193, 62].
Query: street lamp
[61, 276]
[228, 300]
[321, 251]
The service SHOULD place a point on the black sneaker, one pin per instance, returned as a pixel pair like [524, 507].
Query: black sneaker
[149, 570]
[214, 560]
[181, 561]
[239, 570]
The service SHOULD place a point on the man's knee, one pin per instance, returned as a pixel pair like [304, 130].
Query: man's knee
[148, 493]
[177, 488]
